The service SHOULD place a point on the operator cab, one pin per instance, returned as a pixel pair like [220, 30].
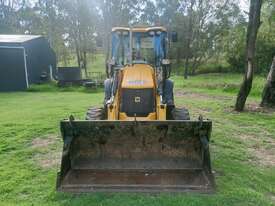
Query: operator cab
[139, 46]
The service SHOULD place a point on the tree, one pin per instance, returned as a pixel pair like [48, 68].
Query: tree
[8, 15]
[268, 97]
[114, 13]
[79, 27]
[252, 31]
[265, 46]
[201, 26]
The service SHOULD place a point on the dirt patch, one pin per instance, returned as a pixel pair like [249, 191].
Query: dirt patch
[224, 86]
[261, 147]
[48, 160]
[264, 157]
[43, 142]
[231, 110]
[47, 155]
[252, 107]
[248, 137]
[196, 112]
[255, 107]
[272, 197]
[180, 93]
[202, 110]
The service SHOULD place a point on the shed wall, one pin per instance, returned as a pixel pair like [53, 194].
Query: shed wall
[39, 57]
[12, 70]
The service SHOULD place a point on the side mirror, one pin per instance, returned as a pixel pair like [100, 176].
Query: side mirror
[174, 36]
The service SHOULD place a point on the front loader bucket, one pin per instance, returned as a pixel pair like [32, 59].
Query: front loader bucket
[130, 156]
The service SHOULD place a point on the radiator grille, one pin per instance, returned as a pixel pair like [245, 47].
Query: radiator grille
[139, 102]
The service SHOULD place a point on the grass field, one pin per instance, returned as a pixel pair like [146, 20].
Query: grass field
[242, 147]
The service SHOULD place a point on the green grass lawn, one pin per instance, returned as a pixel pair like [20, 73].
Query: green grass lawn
[242, 147]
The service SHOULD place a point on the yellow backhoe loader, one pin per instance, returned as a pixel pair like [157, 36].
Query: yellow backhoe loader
[139, 141]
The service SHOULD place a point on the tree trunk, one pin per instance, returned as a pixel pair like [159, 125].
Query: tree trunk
[108, 23]
[189, 39]
[77, 54]
[178, 56]
[49, 4]
[85, 63]
[252, 31]
[268, 98]
[186, 68]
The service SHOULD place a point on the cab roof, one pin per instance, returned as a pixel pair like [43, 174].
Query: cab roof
[140, 29]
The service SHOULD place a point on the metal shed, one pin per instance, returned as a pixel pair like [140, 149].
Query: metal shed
[25, 60]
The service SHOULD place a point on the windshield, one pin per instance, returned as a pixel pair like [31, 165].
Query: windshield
[143, 48]
[149, 48]
[121, 48]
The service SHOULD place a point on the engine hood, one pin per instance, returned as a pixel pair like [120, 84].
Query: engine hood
[138, 76]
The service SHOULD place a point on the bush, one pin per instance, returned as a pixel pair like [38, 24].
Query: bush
[265, 51]
[45, 87]
[213, 68]
[53, 87]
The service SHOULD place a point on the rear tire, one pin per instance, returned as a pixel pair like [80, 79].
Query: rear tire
[180, 114]
[95, 113]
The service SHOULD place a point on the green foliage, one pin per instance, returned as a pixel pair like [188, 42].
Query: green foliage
[207, 29]
[213, 68]
[264, 55]
[49, 87]
[203, 28]
[265, 48]
[265, 52]
[235, 48]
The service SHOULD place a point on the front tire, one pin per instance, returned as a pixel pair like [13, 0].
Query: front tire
[180, 114]
[95, 113]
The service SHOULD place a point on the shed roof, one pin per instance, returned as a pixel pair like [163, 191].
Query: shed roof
[17, 38]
